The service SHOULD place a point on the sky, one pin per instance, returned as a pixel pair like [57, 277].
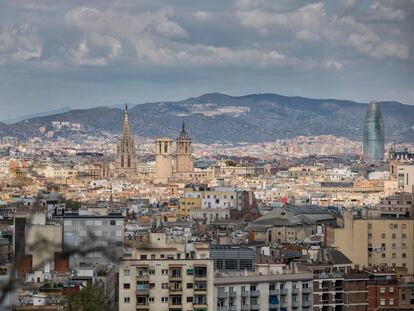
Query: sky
[81, 54]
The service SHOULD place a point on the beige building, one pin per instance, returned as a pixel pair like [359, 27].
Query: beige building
[375, 239]
[161, 275]
[184, 152]
[405, 177]
[163, 159]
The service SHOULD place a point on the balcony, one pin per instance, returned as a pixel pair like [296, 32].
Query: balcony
[143, 277]
[222, 308]
[233, 294]
[176, 289]
[295, 291]
[245, 293]
[306, 291]
[245, 307]
[284, 291]
[233, 308]
[142, 306]
[295, 304]
[222, 295]
[175, 277]
[307, 303]
[274, 292]
[254, 307]
[142, 291]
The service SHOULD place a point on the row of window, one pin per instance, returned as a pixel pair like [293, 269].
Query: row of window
[175, 300]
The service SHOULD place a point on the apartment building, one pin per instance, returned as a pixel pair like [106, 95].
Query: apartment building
[376, 239]
[340, 292]
[156, 274]
[90, 233]
[272, 292]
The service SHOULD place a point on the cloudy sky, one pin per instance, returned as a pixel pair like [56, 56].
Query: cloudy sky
[76, 53]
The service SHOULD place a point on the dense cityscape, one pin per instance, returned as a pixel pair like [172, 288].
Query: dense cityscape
[182, 155]
[310, 223]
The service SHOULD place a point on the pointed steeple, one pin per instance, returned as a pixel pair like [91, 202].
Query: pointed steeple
[126, 131]
[183, 133]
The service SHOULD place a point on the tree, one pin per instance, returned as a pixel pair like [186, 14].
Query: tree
[90, 298]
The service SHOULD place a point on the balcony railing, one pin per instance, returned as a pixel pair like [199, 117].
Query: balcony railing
[274, 292]
[254, 293]
[245, 293]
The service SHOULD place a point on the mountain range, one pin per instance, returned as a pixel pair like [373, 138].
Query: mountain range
[217, 117]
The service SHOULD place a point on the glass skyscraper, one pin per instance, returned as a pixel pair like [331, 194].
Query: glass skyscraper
[373, 144]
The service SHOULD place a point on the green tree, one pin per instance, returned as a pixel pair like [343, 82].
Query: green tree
[90, 298]
[72, 205]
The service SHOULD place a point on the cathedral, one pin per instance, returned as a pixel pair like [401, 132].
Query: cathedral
[172, 165]
[126, 159]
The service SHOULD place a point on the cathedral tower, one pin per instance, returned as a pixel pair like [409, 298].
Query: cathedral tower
[163, 159]
[184, 152]
[126, 160]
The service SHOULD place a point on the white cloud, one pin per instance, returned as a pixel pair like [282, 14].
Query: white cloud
[201, 16]
[371, 44]
[19, 43]
[379, 12]
[304, 22]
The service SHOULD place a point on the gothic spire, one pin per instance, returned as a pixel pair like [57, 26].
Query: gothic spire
[126, 131]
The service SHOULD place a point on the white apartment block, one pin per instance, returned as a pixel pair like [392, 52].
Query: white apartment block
[274, 292]
[162, 276]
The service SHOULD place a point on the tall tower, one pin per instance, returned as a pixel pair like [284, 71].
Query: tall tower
[373, 143]
[163, 159]
[184, 152]
[126, 160]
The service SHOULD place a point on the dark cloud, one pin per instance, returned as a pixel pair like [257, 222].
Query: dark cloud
[77, 53]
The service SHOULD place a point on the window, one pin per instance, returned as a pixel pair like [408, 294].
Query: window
[143, 257]
[382, 290]
[164, 271]
[404, 236]
[164, 285]
[403, 226]
[127, 300]
[151, 272]
[127, 272]
[404, 255]
[394, 236]
[127, 286]
[391, 289]
[391, 302]
[164, 299]
[112, 222]
[189, 299]
[189, 285]
[394, 255]
[382, 302]
[151, 299]
[383, 235]
[383, 255]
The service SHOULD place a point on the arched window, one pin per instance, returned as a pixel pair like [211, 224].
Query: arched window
[122, 161]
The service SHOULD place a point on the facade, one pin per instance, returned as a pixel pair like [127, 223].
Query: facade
[373, 136]
[163, 159]
[382, 290]
[160, 275]
[374, 240]
[233, 257]
[99, 231]
[126, 159]
[405, 177]
[339, 292]
[272, 292]
[184, 152]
